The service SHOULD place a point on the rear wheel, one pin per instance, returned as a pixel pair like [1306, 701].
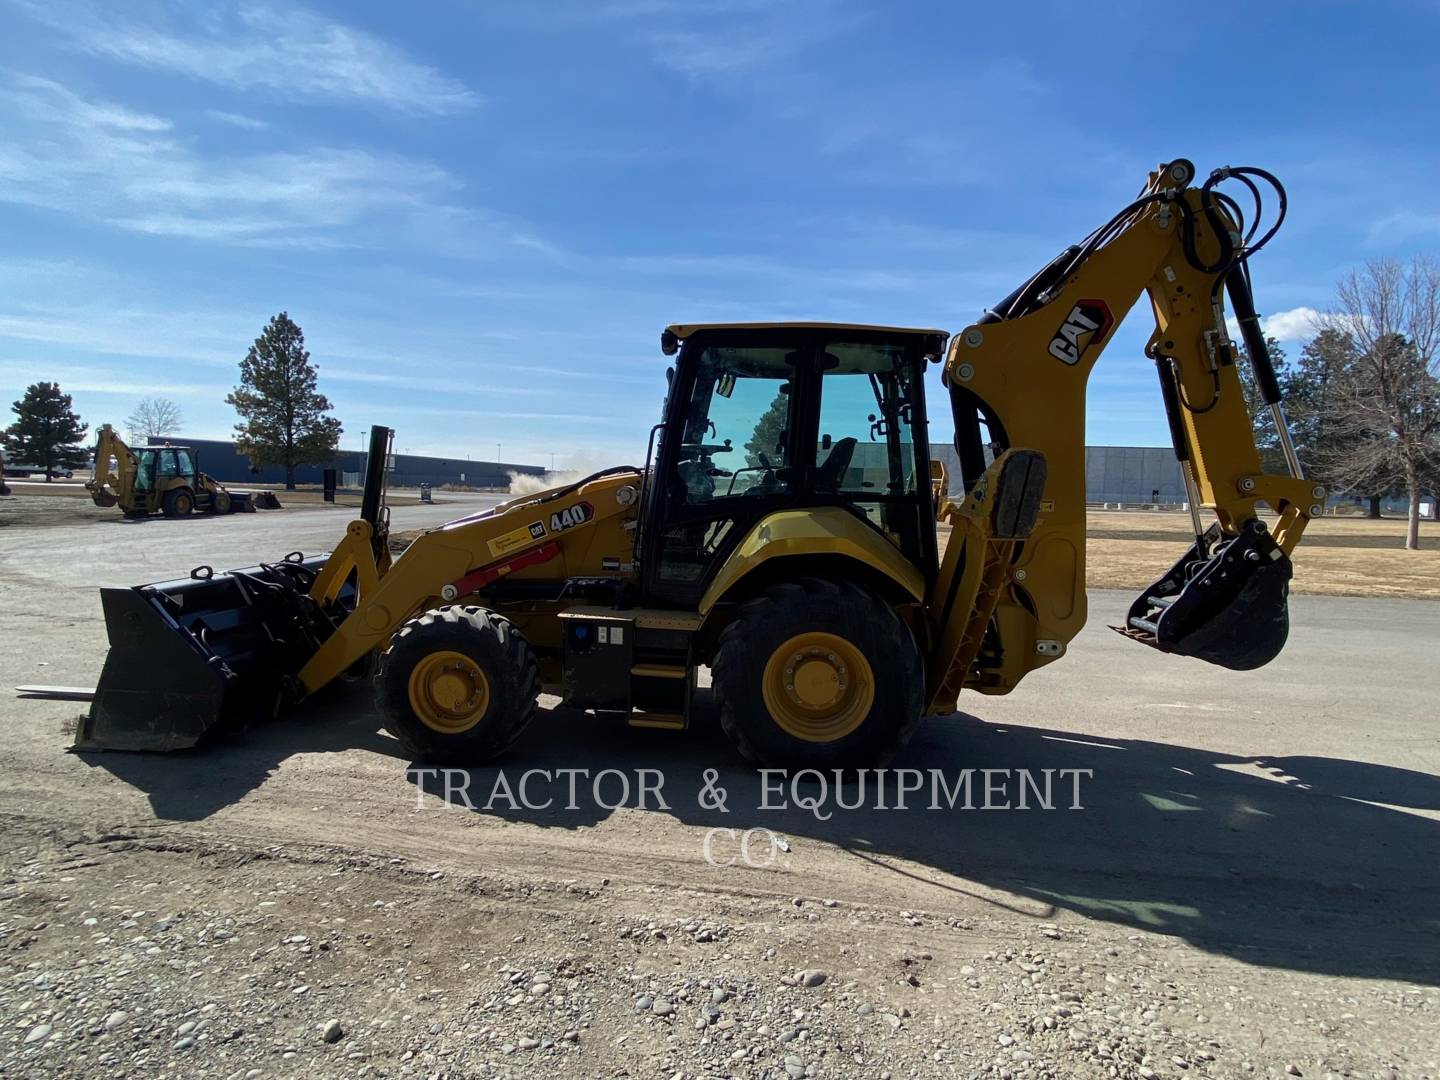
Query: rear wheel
[457, 685]
[818, 674]
[178, 503]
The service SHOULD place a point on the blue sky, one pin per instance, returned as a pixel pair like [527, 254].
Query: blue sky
[482, 214]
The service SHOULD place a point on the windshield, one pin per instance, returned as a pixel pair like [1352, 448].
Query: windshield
[736, 431]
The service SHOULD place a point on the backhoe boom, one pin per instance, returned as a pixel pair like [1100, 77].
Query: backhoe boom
[1017, 379]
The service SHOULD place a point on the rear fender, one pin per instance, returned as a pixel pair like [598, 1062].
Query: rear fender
[827, 533]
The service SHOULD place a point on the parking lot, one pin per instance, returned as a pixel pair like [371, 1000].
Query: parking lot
[1251, 883]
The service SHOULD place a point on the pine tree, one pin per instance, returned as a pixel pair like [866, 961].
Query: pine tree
[46, 430]
[764, 443]
[282, 412]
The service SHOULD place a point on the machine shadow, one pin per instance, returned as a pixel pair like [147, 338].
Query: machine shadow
[1286, 862]
[1312, 864]
[224, 771]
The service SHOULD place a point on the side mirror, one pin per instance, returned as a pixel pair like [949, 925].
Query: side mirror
[669, 342]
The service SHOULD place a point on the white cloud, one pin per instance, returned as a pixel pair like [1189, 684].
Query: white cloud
[1297, 324]
[287, 52]
[134, 170]
[1403, 226]
[239, 120]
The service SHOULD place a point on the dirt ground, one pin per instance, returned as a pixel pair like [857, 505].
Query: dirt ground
[41, 505]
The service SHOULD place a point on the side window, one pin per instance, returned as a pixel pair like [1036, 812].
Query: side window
[866, 446]
[167, 463]
[185, 465]
[736, 429]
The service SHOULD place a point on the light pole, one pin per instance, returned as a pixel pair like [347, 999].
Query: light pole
[497, 453]
[552, 460]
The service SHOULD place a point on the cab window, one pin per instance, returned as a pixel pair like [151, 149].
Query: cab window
[736, 433]
[865, 449]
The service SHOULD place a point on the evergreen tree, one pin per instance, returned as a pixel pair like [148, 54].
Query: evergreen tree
[1267, 439]
[282, 412]
[45, 430]
[769, 434]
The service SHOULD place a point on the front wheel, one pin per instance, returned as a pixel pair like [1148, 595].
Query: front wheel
[818, 674]
[457, 685]
[178, 503]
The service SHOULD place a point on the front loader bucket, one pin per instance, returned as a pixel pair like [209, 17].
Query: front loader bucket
[203, 654]
[1223, 602]
[264, 500]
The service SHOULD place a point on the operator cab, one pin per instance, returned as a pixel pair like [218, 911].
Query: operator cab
[163, 462]
[786, 416]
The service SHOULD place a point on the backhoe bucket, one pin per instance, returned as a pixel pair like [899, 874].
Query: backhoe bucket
[1225, 603]
[203, 654]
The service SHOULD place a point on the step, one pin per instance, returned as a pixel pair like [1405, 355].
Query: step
[662, 721]
[660, 671]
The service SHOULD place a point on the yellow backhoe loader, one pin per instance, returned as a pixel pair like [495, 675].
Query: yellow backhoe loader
[782, 533]
[165, 479]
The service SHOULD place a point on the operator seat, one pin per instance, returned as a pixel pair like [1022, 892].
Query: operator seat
[829, 474]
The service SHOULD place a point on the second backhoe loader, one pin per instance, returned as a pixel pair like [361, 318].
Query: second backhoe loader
[782, 534]
[165, 480]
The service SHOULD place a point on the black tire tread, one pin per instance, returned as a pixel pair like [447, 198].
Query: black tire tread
[733, 659]
[447, 625]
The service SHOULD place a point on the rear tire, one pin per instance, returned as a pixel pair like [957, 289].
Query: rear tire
[818, 674]
[457, 685]
[178, 503]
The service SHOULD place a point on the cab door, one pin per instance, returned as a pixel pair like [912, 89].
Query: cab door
[729, 453]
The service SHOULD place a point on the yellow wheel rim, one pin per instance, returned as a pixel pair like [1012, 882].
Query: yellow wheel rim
[449, 692]
[818, 687]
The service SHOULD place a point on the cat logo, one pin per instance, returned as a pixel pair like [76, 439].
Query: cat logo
[571, 516]
[537, 530]
[1087, 324]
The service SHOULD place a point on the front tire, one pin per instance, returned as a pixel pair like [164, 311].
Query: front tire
[220, 503]
[818, 674]
[457, 685]
[178, 503]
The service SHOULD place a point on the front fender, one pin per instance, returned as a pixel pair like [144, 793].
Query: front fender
[826, 531]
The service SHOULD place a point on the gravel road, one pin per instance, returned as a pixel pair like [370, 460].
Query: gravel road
[1250, 887]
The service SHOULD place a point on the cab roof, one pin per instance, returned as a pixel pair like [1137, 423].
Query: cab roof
[684, 330]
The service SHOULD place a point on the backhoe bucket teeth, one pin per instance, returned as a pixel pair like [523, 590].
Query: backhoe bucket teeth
[211, 652]
[1228, 607]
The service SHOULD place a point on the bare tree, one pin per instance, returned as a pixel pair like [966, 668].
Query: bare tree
[1387, 410]
[153, 417]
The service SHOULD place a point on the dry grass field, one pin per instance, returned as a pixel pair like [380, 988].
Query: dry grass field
[1338, 556]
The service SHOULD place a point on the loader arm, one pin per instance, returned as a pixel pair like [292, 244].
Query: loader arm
[1017, 380]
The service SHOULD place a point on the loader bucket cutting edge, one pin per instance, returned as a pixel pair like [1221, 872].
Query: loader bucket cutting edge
[199, 655]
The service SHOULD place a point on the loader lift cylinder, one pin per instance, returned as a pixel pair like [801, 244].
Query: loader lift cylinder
[375, 464]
